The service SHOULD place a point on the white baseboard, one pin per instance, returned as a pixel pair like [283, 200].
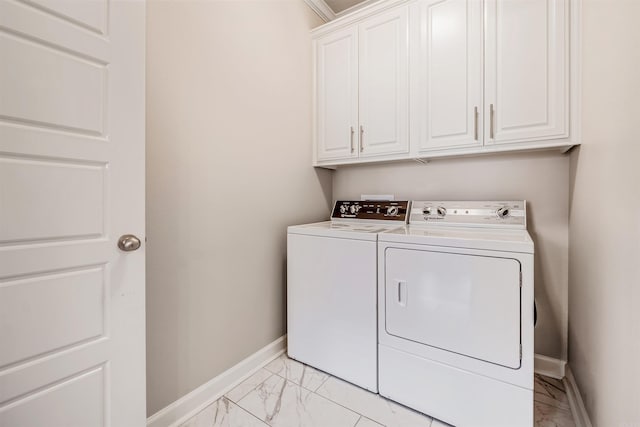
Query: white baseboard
[192, 403]
[548, 366]
[579, 412]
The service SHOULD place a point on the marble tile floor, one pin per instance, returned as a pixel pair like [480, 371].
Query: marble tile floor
[287, 393]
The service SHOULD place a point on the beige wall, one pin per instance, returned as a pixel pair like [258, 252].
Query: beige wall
[540, 178]
[604, 267]
[228, 107]
[228, 168]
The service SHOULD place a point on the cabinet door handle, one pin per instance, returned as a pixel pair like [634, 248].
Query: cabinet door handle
[351, 141]
[491, 119]
[475, 123]
[361, 138]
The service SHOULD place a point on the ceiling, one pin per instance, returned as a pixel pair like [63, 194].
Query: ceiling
[339, 5]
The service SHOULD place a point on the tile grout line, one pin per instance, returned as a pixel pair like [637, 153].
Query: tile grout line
[339, 404]
[300, 385]
[323, 382]
[247, 393]
[329, 376]
[249, 412]
[310, 391]
[345, 407]
[254, 389]
[387, 401]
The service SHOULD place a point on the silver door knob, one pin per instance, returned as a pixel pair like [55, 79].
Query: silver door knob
[128, 242]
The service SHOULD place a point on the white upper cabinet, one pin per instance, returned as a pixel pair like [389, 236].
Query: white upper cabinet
[446, 74]
[526, 70]
[410, 79]
[384, 84]
[336, 106]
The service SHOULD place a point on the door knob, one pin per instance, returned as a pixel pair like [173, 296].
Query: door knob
[128, 242]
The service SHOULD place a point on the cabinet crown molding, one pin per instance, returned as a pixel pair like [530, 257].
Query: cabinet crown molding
[322, 9]
[339, 21]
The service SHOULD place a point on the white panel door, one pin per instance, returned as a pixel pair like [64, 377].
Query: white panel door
[465, 304]
[337, 95]
[384, 83]
[526, 70]
[72, 308]
[446, 73]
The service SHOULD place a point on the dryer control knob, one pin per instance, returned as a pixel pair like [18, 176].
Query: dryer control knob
[503, 212]
[343, 209]
[426, 210]
[442, 211]
[355, 209]
[392, 211]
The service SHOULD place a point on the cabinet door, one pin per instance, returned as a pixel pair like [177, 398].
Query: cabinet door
[446, 74]
[526, 66]
[336, 95]
[384, 64]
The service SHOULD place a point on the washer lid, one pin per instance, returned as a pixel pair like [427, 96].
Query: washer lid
[462, 237]
[344, 230]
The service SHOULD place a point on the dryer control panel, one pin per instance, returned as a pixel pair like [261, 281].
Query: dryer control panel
[396, 211]
[491, 214]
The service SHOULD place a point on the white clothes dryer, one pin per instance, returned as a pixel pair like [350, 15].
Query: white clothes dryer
[456, 313]
[332, 289]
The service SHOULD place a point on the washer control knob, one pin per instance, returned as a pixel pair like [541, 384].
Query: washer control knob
[441, 211]
[426, 210]
[343, 209]
[392, 211]
[355, 209]
[503, 212]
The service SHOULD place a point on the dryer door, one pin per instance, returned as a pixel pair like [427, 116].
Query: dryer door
[463, 303]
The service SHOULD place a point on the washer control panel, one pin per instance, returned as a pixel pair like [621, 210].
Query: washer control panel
[371, 210]
[508, 214]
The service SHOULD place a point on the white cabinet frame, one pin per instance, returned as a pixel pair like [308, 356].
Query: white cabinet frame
[510, 117]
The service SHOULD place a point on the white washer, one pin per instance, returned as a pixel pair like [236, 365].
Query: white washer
[332, 289]
[456, 313]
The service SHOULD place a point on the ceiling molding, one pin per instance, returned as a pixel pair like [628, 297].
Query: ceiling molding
[355, 7]
[322, 9]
